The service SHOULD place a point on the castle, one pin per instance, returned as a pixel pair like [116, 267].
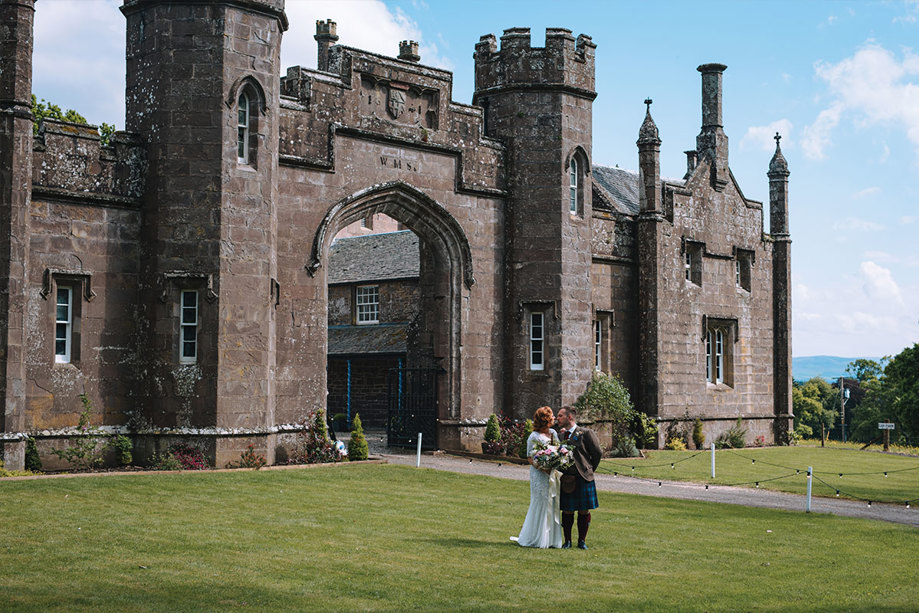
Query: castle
[178, 275]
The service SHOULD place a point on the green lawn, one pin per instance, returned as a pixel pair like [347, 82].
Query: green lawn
[736, 466]
[378, 537]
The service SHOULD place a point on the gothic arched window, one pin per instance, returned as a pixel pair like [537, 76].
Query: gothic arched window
[573, 186]
[242, 135]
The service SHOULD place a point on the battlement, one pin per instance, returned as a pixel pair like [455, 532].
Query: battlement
[564, 61]
[69, 161]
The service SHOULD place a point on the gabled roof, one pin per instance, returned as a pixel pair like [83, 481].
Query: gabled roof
[351, 340]
[618, 189]
[374, 257]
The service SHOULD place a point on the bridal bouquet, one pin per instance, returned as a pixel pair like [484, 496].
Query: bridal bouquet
[560, 457]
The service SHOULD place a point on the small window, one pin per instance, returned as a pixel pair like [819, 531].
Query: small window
[598, 345]
[743, 269]
[188, 334]
[63, 325]
[537, 333]
[719, 340]
[367, 299]
[692, 261]
[573, 187]
[242, 136]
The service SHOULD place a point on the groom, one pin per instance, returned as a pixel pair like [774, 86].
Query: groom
[578, 490]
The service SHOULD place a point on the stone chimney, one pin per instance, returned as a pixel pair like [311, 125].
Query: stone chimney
[326, 36]
[712, 143]
[691, 156]
[408, 51]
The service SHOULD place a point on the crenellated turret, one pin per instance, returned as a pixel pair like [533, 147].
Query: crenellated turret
[326, 36]
[538, 101]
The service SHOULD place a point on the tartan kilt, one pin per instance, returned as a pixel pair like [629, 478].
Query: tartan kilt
[583, 498]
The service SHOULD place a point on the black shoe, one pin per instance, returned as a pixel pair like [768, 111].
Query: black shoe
[566, 545]
[581, 545]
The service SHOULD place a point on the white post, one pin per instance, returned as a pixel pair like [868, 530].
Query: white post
[807, 505]
[713, 460]
[418, 461]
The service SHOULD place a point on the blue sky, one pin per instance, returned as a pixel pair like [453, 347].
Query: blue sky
[840, 80]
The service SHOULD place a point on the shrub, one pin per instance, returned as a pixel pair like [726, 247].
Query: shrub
[676, 444]
[513, 434]
[625, 449]
[313, 445]
[249, 459]
[644, 429]
[698, 437]
[492, 429]
[189, 457]
[357, 446]
[732, 438]
[165, 461]
[527, 431]
[33, 461]
[759, 441]
[82, 451]
[607, 398]
[123, 448]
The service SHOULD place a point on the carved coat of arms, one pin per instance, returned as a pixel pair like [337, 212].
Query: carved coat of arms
[396, 103]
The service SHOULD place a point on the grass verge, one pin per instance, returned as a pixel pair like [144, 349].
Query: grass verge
[775, 468]
[390, 538]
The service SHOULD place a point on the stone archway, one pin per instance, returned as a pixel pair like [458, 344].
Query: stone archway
[446, 270]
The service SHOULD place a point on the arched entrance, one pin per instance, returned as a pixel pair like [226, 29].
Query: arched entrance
[445, 273]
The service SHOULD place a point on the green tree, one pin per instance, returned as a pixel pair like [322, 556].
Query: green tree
[901, 380]
[47, 110]
[357, 445]
[866, 370]
[892, 396]
[607, 398]
[816, 406]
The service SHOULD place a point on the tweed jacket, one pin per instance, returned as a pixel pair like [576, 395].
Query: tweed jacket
[586, 453]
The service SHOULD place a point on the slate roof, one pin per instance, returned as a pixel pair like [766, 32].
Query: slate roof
[385, 338]
[618, 189]
[374, 257]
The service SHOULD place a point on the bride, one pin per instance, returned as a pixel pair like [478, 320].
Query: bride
[542, 526]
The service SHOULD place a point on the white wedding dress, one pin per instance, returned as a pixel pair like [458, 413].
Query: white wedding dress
[542, 527]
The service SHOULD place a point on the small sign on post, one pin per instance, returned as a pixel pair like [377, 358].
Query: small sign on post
[886, 427]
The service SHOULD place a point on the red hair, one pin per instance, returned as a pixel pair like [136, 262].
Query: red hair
[543, 419]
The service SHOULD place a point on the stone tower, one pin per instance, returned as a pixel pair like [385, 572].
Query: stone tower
[781, 291]
[16, 20]
[202, 92]
[650, 257]
[538, 101]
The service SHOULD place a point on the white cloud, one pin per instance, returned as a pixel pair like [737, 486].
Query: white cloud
[763, 137]
[856, 224]
[368, 25]
[879, 284]
[885, 154]
[881, 256]
[912, 13]
[908, 219]
[874, 88]
[868, 191]
[816, 137]
[78, 58]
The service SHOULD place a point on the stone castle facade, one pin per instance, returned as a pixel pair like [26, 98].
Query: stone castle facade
[178, 275]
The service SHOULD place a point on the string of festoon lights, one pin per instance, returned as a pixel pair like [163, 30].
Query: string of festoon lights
[628, 470]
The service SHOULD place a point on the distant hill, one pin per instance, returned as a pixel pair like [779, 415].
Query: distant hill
[827, 366]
